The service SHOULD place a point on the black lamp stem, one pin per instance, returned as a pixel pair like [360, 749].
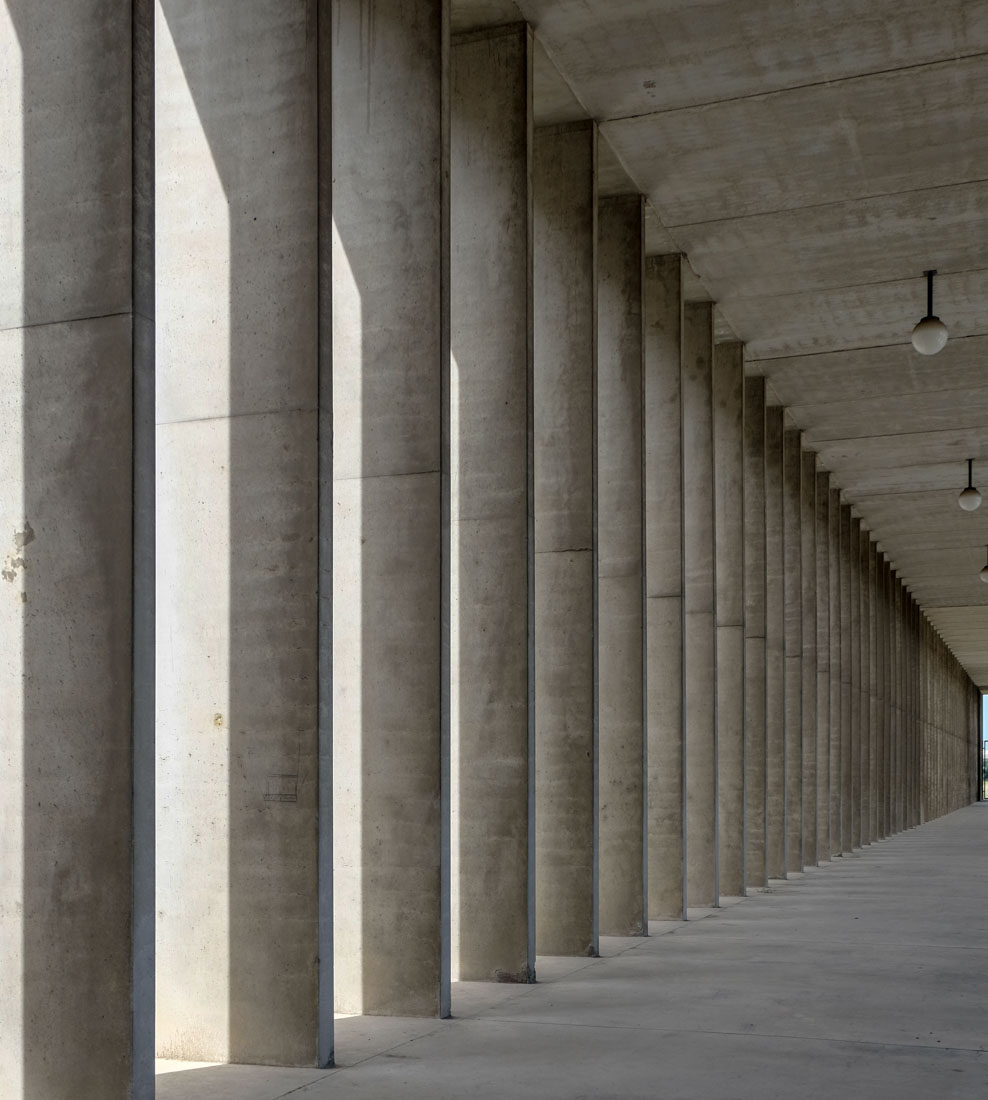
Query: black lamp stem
[929, 292]
[970, 468]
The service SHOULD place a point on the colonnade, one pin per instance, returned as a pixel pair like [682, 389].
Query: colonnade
[403, 581]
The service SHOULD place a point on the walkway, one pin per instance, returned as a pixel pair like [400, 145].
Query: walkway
[864, 978]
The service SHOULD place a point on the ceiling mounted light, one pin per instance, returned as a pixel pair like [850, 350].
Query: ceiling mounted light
[984, 572]
[930, 335]
[969, 498]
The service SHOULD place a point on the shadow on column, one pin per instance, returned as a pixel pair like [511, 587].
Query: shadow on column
[390, 318]
[250, 69]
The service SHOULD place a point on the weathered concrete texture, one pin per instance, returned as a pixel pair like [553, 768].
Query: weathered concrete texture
[67, 609]
[620, 601]
[664, 587]
[834, 569]
[775, 744]
[65, 709]
[754, 631]
[237, 487]
[144, 588]
[807, 526]
[565, 300]
[699, 631]
[729, 509]
[845, 678]
[793, 595]
[491, 507]
[822, 523]
[390, 353]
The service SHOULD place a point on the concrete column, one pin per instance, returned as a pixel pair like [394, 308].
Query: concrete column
[924, 715]
[565, 539]
[873, 726]
[822, 524]
[911, 726]
[775, 744]
[664, 588]
[699, 637]
[491, 507]
[76, 516]
[865, 690]
[620, 603]
[754, 631]
[881, 829]
[889, 627]
[888, 716]
[845, 678]
[855, 582]
[239, 528]
[729, 510]
[914, 790]
[896, 752]
[390, 341]
[807, 526]
[834, 569]
[792, 469]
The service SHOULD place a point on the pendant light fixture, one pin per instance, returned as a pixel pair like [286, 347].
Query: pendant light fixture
[930, 335]
[984, 572]
[969, 498]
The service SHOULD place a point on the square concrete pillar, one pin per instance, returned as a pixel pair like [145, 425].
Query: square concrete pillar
[492, 555]
[775, 620]
[565, 298]
[699, 637]
[666, 813]
[888, 696]
[754, 631]
[896, 746]
[807, 527]
[845, 678]
[867, 689]
[836, 657]
[390, 356]
[822, 523]
[620, 593]
[76, 515]
[792, 586]
[878, 739]
[729, 511]
[855, 583]
[238, 450]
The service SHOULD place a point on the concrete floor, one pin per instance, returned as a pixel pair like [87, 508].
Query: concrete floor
[866, 977]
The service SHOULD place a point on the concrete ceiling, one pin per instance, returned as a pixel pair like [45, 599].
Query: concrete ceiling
[812, 160]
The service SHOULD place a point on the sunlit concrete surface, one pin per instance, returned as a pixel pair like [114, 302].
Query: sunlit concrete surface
[864, 977]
